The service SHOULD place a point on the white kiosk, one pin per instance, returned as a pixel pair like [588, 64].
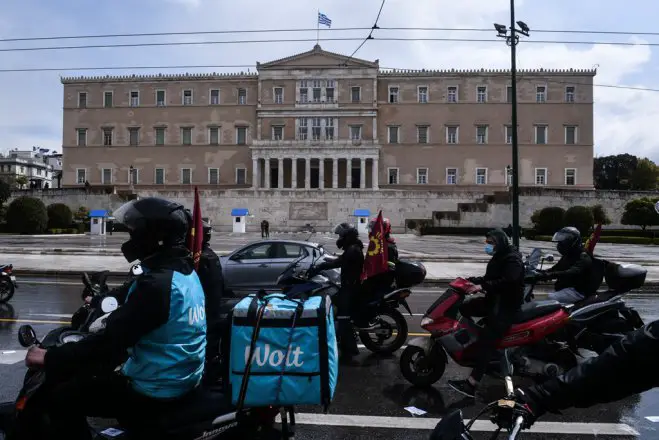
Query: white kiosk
[239, 219]
[362, 220]
[98, 218]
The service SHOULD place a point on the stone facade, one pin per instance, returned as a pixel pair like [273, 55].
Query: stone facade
[292, 210]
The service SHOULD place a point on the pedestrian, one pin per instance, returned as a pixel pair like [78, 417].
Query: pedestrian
[263, 222]
[267, 229]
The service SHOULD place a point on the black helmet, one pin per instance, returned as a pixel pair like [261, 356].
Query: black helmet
[567, 239]
[207, 231]
[347, 235]
[153, 223]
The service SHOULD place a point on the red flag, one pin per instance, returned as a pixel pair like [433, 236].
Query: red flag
[196, 232]
[594, 238]
[377, 254]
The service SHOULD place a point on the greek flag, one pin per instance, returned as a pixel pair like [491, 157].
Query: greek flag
[323, 19]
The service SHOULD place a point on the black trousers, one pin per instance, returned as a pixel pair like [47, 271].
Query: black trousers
[344, 302]
[498, 319]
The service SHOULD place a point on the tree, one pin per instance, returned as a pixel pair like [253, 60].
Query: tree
[21, 181]
[614, 172]
[5, 192]
[640, 212]
[27, 215]
[581, 217]
[600, 216]
[646, 176]
[548, 220]
[82, 214]
[59, 216]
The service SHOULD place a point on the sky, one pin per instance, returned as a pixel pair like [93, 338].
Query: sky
[31, 103]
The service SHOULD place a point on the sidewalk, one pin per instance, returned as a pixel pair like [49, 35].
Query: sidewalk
[68, 265]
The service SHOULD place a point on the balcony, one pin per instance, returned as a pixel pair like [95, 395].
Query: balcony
[322, 143]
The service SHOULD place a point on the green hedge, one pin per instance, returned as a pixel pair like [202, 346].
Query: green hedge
[443, 230]
[639, 233]
[619, 240]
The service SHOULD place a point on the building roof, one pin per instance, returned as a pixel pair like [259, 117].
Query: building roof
[488, 72]
[159, 77]
[315, 53]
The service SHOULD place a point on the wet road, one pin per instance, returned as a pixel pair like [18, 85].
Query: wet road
[370, 398]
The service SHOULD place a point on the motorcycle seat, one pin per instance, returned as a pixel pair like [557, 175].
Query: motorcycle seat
[536, 309]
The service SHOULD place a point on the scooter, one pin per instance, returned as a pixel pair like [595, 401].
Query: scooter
[8, 284]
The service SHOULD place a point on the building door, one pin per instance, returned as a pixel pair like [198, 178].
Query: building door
[274, 177]
[315, 177]
[356, 177]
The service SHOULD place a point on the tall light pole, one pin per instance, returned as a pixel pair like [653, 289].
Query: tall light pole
[512, 39]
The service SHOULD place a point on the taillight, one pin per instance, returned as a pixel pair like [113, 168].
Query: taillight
[9, 269]
[20, 403]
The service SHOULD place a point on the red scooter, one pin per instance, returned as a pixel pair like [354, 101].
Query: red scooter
[529, 343]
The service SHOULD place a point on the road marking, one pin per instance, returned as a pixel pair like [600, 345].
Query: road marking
[413, 423]
[34, 321]
[52, 315]
[653, 419]
[10, 357]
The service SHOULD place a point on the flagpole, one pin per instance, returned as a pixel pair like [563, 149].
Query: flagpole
[318, 27]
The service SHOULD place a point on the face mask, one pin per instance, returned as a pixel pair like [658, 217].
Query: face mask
[339, 243]
[489, 249]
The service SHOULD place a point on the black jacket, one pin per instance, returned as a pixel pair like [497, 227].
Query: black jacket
[575, 270]
[145, 310]
[212, 281]
[392, 251]
[351, 262]
[503, 282]
[627, 367]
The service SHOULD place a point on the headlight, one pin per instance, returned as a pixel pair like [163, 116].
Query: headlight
[426, 321]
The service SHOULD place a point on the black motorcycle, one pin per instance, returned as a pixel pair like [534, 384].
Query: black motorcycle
[8, 283]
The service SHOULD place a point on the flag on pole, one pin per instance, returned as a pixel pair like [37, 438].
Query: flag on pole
[594, 238]
[377, 255]
[324, 20]
[196, 232]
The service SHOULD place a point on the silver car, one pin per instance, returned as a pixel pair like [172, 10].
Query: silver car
[257, 265]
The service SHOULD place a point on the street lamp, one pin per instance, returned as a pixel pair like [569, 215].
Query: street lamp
[130, 177]
[512, 39]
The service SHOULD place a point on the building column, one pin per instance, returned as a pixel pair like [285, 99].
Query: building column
[376, 183]
[335, 173]
[267, 173]
[255, 172]
[349, 172]
[321, 173]
[280, 173]
[307, 173]
[294, 173]
[362, 173]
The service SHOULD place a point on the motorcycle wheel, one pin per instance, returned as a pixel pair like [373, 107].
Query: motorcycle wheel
[7, 289]
[420, 369]
[398, 341]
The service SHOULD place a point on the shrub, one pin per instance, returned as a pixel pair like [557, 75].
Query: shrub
[27, 215]
[59, 216]
[641, 212]
[82, 214]
[581, 217]
[548, 220]
[599, 215]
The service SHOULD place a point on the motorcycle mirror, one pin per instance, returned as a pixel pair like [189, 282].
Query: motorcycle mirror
[549, 258]
[86, 281]
[109, 304]
[27, 337]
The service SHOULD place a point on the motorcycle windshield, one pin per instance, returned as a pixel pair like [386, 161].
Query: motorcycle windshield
[534, 258]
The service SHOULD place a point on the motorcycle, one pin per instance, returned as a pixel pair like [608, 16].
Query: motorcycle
[8, 284]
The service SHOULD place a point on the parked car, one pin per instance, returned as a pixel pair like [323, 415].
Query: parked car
[257, 265]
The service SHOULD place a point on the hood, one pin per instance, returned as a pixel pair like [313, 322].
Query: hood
[501, 241]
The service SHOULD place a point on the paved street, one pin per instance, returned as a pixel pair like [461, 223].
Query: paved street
[370, 398]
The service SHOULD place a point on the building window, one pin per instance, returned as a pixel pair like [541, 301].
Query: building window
[277, 132]
[393, 176]
[214, 176]
[241, 176]
[107, 136]
[509, 134]
[134, 176]
[453, 94]
[316, 90]
[134, 136]
[186, 176]
[481, 176]
[422, 134]
[540, 94]
[108, 99]
[303, 129]
[481, 134]
[569, 94]
[393, 95]
[160, 135]
[315, 129]
[393, 135]
[279, 95]
[355, 132]
[570, 176]
[482, 94]
[540, 134]
[241, 135]
[215, 97]
[570, 135]
[422, 176]
[106, 176]
[242, 96]
[356, 94]
[509, 94]
[452, 134]
[422, 93]
[541, 176]
[159, 177]
[82, 137]
[304, 91]
[329, 128]
[329, 91]
[187, 97]
[82, 100]
[160, 98]
[452, 176]
[214, 135]
[134, 98]
[81, 175]
[186, 136]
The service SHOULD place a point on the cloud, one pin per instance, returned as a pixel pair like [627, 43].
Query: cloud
[624, 119]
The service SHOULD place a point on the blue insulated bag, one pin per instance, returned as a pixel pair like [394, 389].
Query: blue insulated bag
[293, 348]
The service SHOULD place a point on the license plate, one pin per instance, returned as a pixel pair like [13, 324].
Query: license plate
[13, 278]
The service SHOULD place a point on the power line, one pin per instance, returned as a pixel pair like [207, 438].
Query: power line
[370, 33]
[305, 40]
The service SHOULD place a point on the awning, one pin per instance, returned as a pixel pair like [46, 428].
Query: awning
[98, 213]
[362, 213]
[239, 212]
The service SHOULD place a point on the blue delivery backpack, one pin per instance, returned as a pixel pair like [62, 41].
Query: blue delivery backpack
[293, 348]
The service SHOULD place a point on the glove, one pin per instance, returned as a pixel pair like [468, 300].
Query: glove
[312, 272]
[475, 280]
[530, 410]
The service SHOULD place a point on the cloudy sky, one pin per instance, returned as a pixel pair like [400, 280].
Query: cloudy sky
[30, 107]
